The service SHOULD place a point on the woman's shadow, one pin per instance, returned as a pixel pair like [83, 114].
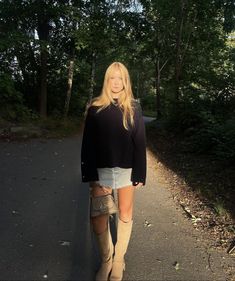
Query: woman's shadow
[85, 253]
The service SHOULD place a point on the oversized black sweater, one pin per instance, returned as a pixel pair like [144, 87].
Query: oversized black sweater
[106, 143]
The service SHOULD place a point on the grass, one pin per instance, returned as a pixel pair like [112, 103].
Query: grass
[49, 128]
[60, 127]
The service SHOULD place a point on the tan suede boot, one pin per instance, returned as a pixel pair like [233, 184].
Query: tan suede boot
[106, 252]
[123, 238]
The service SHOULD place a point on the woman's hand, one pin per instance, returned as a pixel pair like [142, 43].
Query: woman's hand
[94, 183]
[98, 190]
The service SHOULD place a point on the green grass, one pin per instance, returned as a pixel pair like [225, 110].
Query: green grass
[49, 128]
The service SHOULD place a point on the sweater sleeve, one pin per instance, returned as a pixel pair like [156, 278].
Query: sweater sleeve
[88, 154]
[139, 144]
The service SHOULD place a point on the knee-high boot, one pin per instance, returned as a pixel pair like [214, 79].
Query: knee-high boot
[123, 238]
[106, 252]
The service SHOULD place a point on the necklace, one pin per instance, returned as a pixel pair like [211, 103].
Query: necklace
[115, 102]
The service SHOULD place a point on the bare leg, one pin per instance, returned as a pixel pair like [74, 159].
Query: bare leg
[125, 203]
[99, 223]
[103, 236]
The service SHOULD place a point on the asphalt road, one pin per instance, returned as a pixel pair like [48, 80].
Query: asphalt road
[45, 231]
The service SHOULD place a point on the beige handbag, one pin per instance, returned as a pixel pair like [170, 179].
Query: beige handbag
[103, 205]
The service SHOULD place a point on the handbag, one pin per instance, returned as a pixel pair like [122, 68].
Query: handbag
[103, 205]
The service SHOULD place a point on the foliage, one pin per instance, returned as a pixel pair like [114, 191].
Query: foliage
[12, 107]
[7, 90]
[149, 102]
[181, 50]
[204, 131]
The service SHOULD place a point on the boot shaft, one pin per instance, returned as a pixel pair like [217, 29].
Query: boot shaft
[123, 237]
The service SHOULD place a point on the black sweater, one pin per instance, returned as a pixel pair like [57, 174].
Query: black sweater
[106, 143]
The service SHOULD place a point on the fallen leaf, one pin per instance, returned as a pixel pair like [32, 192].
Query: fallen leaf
[176, 265]
[147, 224]
[64, 243]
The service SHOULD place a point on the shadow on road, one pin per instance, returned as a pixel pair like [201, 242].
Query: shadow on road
[83, 254]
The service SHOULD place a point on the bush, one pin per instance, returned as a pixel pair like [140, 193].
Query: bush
[206, 131]
[225, 140]
[149, 102]
[217, 139]
[11, 102]
[8, 93]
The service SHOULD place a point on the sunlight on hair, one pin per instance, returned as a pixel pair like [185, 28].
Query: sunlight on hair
[126, 98]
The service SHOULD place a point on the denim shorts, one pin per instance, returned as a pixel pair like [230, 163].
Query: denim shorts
[115, 177]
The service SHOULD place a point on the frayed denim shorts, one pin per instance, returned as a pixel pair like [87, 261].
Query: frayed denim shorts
[115, 177]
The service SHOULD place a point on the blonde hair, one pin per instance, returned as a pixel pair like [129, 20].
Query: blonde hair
[125, 99]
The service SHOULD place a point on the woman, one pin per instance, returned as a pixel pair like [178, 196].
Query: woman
[113, 156]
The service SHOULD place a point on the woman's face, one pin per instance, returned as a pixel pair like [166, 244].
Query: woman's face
[115, 80]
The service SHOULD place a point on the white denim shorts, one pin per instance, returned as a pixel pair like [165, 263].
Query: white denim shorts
[115, 177]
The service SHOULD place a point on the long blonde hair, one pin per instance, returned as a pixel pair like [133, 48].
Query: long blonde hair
[125, 99]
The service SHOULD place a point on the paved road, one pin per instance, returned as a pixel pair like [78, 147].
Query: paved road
[45, 231]
[148, 119]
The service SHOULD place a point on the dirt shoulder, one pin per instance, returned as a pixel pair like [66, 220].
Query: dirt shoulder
[200, 185]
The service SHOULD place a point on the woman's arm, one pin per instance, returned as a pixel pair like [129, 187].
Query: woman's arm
[88, 153]
[139, 144]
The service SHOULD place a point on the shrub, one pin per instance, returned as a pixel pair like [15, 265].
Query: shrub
[11, 102]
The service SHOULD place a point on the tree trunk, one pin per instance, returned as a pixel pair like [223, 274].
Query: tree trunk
[138, 85]
[158, 95]
[157, 86]
[43, 84]
[70, 83]
[178, 60]
[93, 65]
[43, 33]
